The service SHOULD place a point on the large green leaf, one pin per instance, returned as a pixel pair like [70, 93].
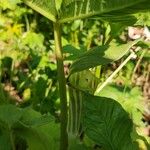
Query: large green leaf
[52, 132]
[9, 115]
[77, 9]
[100, 55]
[129, 15]
[106, 123]
[116, 17]
[129, 98]
[42, 138]
[73, 52]
[31, 118]
[40, 132]
[34, 138]
[68, 10]
[45, 7]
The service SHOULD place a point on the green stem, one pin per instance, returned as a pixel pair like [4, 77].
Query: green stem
[27, 23]
[62, 87]
[138, 63]
[1, 88]
[12, 140]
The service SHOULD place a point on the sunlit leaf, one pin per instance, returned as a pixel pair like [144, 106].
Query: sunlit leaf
[100, 55]
[58, 4]
[130, 99]
[11, 4]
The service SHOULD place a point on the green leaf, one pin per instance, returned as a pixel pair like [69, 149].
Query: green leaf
[138, 14]
[35, 139]
[84, 80]
[58, 4]
[5, 143]
[106, 123]
[143, 18]
[77, 146]
[52, 132]
[31, 118]
[11, 4]
[69, 10]
[117, 17]
[130, 99]
[100, 55]
[72, 52]
[40, 132]
[77, 9]
[41, 138]
[9, 115]
[33, 40]
[45, 7]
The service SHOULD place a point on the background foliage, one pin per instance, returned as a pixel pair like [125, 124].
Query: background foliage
[30, 107]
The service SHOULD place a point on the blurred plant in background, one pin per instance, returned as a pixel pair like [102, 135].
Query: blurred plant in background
[28, 64]
[28, 68]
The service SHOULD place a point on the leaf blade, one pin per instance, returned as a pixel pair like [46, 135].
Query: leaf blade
[47, 8]
[100, 55]
[107, 124]
[79, 9]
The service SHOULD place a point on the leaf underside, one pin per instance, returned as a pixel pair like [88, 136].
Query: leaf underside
[45, 7]
[69, 10]
[77, 9]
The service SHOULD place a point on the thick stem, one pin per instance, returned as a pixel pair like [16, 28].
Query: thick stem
[62, 87]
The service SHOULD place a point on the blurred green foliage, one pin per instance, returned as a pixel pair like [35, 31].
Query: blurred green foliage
[28, 69]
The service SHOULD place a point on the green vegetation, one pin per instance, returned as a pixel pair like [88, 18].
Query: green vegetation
[62, 83]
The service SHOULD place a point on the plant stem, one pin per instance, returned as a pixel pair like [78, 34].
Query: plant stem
[138, 63]
[12, 140]
[27, 23]
[62, 87]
